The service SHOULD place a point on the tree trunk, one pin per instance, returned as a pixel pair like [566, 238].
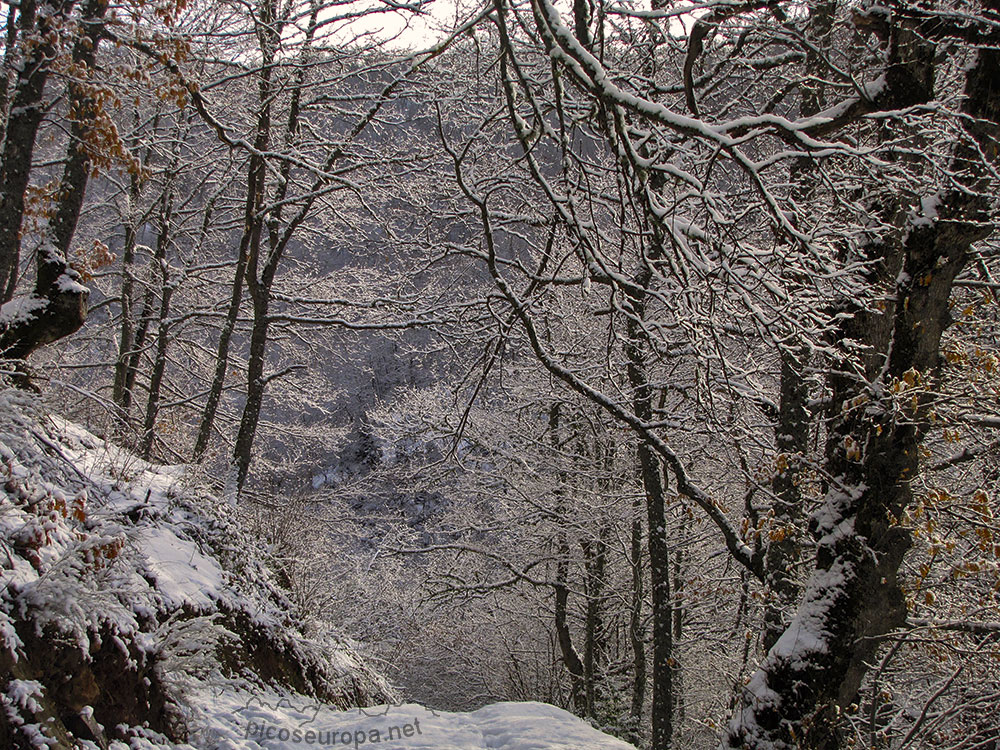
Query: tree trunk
[256, 384]
[636, 632]
[128, 341]
[135, 355]
[83, 115]
[784, 546]
[659, 556]
[564, 636]
[159, 367]
[222, 354]
[120, 395]
[61, 297]
[794, 421]
[167, 286]
[570, 657]
[8, 57]
[26, 112]
[595, 559]
[678, 626]
[260, 271]
[853, 598]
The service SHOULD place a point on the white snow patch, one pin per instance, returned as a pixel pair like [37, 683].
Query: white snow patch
[184, 576]
[66, 283]
[23, 693]
[873, 88]
[805, 634]
[925, 216]
[836, 507]
[928, 213]
[21, 309]
[840, 531]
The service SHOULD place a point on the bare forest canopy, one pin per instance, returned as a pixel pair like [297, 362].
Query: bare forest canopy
[641, 359]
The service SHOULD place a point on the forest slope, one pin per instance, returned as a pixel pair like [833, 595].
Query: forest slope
[138, 611]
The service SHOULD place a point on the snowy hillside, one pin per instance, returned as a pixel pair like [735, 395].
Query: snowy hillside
[127, 588]
[137, 611]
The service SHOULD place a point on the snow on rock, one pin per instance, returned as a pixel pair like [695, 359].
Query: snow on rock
[183, 575]
[118, 569]
[22, 693]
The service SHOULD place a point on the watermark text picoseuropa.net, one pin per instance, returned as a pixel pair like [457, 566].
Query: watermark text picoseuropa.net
[262, 731]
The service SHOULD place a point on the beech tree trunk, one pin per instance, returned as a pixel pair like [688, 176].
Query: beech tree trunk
[853, 598]
[564, 636]
[26, 112]
[167, 286]
[636, 631]
[60, 300]
[656, 532]
[570, 657]
[262, 267]
[121, 395]
[595, 560]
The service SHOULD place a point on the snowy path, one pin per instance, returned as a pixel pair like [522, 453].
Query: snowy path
[253, 723]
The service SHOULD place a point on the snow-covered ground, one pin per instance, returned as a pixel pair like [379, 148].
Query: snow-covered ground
[273, 723]
[101, 545]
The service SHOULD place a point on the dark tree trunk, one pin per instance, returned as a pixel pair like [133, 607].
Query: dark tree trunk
[261, 270]
[784, 546]
[222, 354]
[167, 286]
[794, 421]
[139, 343]
[678, 626]
[26, 112]
[636, 631]
[61, 297]
[8, 57]
[159, 368]
[853, 598]
[120, 394]
[571, 659]
[595, 553]
[656, 522]
[83, 114]
[256, 384]
[564, 636]
[252, 236]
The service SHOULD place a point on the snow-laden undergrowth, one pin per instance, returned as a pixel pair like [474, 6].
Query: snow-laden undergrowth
[138, 611]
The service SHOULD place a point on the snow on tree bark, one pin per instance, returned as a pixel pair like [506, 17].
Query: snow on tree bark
[853, 598]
